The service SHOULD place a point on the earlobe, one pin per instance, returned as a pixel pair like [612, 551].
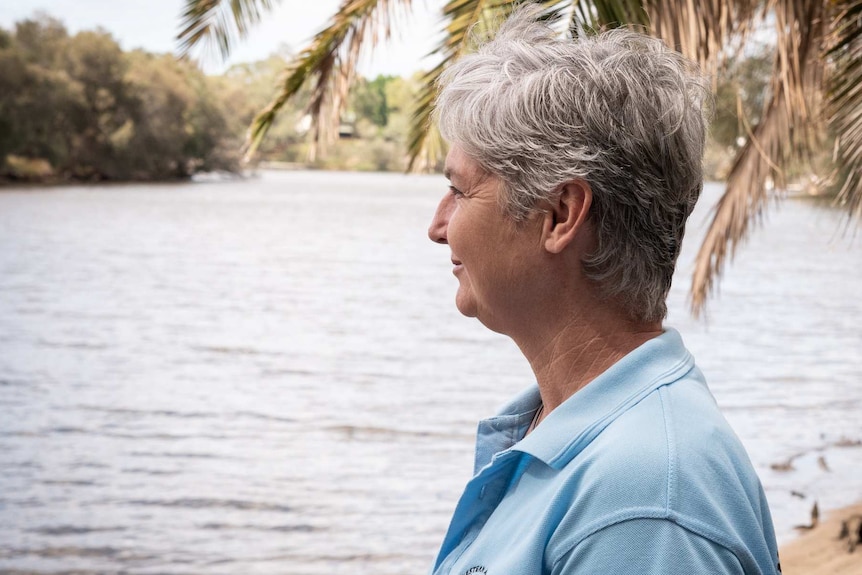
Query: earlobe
[567, 215]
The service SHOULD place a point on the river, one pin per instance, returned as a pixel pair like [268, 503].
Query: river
[269, 375]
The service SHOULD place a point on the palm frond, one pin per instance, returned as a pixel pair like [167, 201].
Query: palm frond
[610, 14]
[785, 133]
[844, 104]
[588, 15]
[702, 30]
[219, 23]
[462, 17]
[424, 147]
[329, 62]
[469, 20]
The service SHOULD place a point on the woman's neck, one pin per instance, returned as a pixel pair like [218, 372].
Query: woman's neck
[566, 352]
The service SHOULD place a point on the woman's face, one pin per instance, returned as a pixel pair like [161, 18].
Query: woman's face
[494, 256]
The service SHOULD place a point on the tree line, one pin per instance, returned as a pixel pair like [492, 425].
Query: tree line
[77, 107]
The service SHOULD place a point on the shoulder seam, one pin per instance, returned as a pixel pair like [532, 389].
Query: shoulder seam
[645, 513]
[676, 372]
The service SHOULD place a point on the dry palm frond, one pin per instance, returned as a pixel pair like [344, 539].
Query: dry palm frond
[844, 104]
[702, 30]
[219, 22]
[329, 62]
[785, 133]
[815, 520]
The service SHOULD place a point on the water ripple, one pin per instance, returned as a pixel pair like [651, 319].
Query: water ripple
[204, 502]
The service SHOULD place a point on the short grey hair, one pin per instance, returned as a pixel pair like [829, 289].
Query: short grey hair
[618, 110]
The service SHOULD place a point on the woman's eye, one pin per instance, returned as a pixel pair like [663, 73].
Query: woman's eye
[455, 192]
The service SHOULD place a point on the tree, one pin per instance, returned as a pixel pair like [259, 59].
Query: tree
[39, 103]
[369, 100]
[815, 82]
[79, 107]
[739, 95]
[97, 66]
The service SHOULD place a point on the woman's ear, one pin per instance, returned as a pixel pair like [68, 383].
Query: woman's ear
[567, 215]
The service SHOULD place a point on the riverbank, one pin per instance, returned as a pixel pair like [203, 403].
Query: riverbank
[63, 182]
[826, 548]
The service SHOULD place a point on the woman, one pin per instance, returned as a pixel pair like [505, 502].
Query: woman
[573, 168]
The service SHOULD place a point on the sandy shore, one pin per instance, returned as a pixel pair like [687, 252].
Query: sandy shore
[821, 551]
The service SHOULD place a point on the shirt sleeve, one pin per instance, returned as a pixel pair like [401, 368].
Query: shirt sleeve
[647, 546]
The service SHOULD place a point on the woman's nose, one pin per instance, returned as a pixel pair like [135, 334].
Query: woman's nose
[439, 225]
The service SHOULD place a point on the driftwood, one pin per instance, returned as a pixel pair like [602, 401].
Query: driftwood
[815, 520]
[851, 529]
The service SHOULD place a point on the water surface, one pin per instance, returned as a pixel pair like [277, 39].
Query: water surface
[269, 375]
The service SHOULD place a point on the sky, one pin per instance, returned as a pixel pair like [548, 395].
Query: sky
[153, 25]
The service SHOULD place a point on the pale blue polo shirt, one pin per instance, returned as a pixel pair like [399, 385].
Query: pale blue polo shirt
[637, 472]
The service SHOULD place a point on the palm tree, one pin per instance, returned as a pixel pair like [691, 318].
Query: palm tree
[816, 85]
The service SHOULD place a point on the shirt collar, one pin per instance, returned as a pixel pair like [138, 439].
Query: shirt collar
[573, 425]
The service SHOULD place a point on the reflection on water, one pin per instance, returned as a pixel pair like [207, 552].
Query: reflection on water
[270, 376]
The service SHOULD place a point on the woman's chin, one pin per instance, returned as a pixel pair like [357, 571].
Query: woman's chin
[465, 302]
[467, 309]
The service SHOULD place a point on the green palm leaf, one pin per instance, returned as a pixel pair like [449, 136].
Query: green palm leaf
[609, 14]
[462, 16]
[469, 20]
[329, 63]
[219, 22]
